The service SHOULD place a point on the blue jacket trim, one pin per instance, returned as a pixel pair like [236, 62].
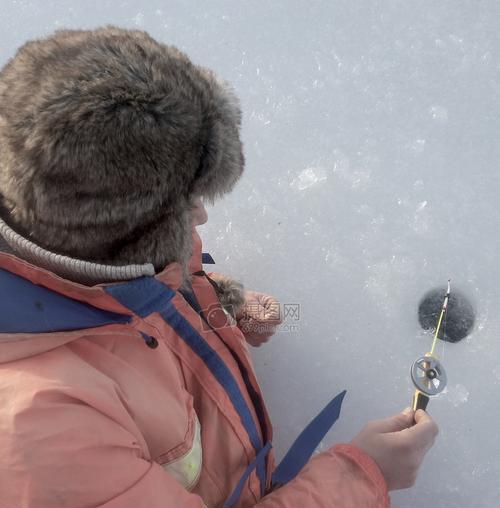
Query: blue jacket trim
[143, 296]
[29, 308]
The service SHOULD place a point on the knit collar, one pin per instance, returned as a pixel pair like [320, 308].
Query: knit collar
[76, 270]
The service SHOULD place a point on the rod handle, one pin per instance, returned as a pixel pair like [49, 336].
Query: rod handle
[420, 400]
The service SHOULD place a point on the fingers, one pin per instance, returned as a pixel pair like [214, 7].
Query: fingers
[394, 423]
[424, 432]
[272, 308]
[398, 445]
[261, 307]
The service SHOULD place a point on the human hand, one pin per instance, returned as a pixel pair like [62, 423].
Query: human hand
[259, 317]
[398, 445]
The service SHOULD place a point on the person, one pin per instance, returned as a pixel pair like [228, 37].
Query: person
[125, 374]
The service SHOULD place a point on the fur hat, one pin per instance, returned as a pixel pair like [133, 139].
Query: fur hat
[105, 138]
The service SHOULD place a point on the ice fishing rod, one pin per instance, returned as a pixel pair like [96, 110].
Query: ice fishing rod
[427, 373]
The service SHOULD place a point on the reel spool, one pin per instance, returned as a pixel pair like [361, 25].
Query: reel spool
[428, 375]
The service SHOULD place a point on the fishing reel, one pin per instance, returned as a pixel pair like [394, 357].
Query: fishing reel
[429, 377]
[427, 373]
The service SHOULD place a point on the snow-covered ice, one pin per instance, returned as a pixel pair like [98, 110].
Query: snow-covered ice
[372, 143]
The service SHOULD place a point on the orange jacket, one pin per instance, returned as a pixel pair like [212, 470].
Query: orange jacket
[93, 417]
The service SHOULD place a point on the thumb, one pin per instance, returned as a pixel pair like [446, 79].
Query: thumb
[424, 431]
[395, 423]
[422, 417]
[424, 425]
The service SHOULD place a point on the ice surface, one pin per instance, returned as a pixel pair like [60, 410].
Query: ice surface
[372, 143]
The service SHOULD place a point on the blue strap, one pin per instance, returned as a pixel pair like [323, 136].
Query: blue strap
[190, 296]
[298, 454]
[207, 259]
[260, 458]
[223, 375]
[29, 308]
[304, 446]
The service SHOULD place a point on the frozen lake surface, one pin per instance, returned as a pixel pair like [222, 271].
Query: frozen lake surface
[372, 141]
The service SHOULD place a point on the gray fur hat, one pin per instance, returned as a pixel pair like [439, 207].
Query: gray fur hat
[105, 138]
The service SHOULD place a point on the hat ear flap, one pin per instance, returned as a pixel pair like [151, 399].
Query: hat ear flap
[222, 159]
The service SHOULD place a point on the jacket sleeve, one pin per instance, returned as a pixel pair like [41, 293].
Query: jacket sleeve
[342, 477]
